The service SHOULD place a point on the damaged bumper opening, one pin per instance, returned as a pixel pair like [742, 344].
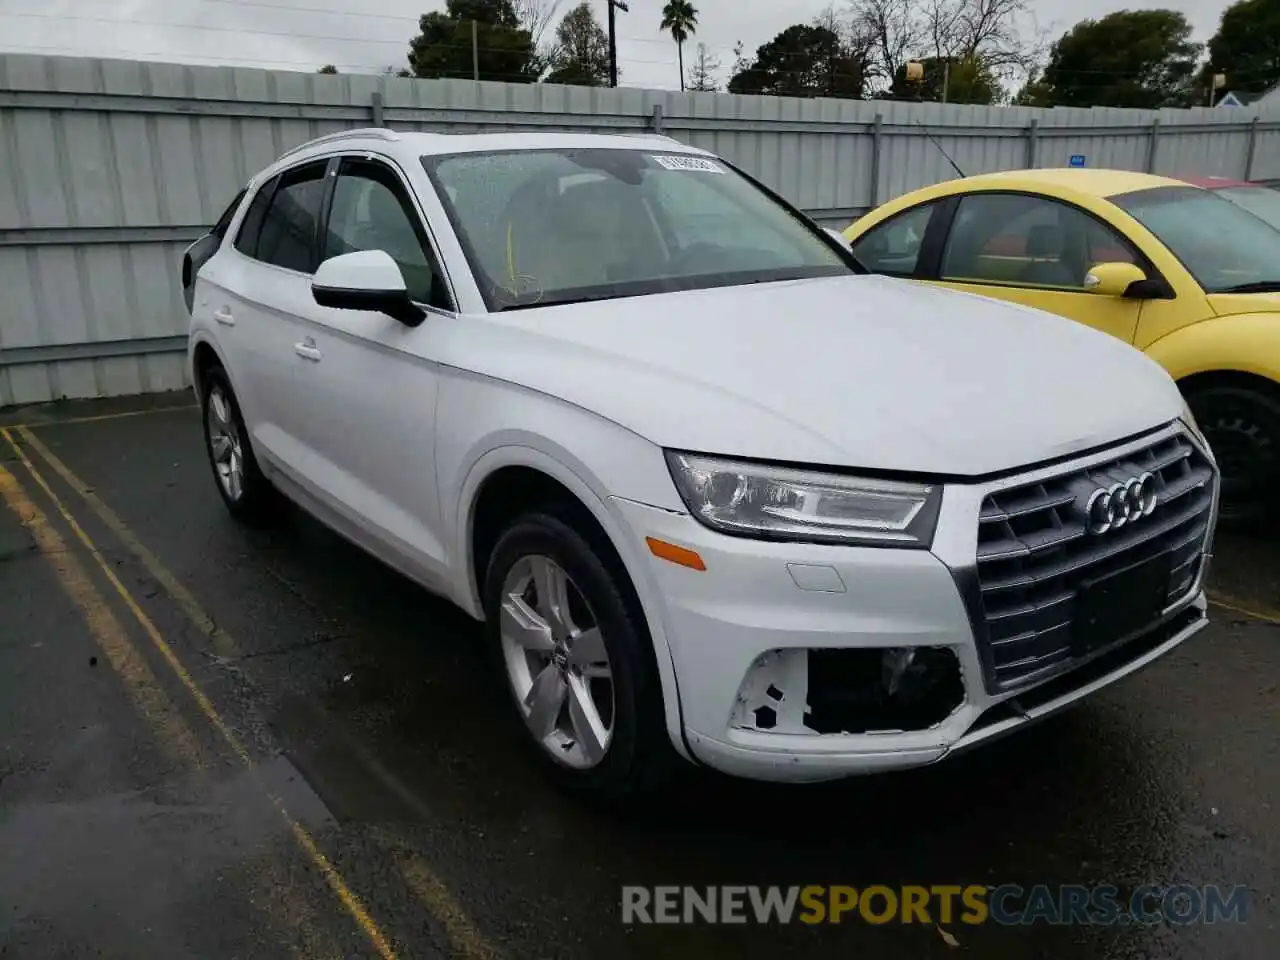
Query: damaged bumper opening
[849, 691]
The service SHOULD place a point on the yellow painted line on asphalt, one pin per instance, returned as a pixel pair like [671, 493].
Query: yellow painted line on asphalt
[222, 643]
[434, 894]
[104, 416]
[300, 834]
[1238, 606]
[149, 699]
[464, 938]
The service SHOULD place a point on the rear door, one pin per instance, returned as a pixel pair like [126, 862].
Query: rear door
[203, 250]
[261, 290]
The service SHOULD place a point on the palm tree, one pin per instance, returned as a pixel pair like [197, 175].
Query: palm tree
[680, 19]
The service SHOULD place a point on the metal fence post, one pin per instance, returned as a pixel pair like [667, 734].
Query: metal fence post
[656, 119]
[1033, 131]
[877, 133]
[1152, 145]
[1253, 145]
[375, 107]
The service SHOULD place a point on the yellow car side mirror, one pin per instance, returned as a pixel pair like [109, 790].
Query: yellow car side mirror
[1113, 279]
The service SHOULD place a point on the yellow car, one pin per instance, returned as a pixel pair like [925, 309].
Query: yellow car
[1184, 275]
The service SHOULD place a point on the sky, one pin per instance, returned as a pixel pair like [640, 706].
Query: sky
[363, 36]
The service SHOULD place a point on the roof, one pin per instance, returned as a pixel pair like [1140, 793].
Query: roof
[1237, 98]
[1094, 182]
[429, 144]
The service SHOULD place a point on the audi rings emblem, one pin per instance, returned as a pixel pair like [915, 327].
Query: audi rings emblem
[1110, 508]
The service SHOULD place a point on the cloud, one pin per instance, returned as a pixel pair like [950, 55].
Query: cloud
[305, 34]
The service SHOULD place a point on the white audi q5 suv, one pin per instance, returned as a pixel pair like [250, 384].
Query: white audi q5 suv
[715, 492]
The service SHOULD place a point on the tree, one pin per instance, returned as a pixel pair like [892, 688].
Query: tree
[702, 76]
[581, 53]
[1132, 58]
[967, 79]
[328, 68]
[680, 19]
[536, 16]
[443, 48]
[985, 39]
[803, 61]
[892, 30]
[1247, 45]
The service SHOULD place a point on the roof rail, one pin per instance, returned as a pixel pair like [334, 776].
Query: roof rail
[375, 133]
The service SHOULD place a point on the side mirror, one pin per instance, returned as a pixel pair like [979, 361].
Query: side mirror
[365, 280]
[1115, 280]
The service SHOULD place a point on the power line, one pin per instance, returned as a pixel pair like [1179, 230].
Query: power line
[291, 34]
[167, 56]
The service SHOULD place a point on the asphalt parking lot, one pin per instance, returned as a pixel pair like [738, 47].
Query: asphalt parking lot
[220, 742]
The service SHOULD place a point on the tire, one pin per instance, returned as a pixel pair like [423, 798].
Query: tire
[1242, 425]
[250, 498]
[638, 757]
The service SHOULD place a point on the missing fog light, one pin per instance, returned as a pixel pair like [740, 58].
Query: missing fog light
[896, 688]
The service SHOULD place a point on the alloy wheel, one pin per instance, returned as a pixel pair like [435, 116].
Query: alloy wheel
[557, 662]
[225, 444]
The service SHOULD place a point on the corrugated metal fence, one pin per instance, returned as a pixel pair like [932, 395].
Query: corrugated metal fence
[108, 168]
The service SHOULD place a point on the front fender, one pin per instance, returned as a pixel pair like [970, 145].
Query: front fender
[1240, 343]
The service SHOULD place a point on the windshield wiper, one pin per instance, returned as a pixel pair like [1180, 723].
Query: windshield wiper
[532, 304]
[1257, 286]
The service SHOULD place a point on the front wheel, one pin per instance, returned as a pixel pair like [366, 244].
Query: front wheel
[1242, 425]
[577, 659]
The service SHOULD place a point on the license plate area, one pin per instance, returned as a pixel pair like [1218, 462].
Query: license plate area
[1112, 607]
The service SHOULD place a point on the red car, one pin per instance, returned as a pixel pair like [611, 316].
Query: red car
[1259, 199]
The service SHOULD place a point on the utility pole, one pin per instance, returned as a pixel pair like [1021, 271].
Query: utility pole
[946, 77]
[613, 40]
[475, 50]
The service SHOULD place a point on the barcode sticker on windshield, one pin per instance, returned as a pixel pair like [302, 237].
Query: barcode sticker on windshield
[696, 164]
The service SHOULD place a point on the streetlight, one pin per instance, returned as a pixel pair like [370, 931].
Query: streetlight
[613, 40]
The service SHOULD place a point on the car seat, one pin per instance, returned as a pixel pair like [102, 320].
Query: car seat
[1046, 245]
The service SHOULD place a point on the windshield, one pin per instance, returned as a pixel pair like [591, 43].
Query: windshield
[1222, 245]
[542, 227]
[1260, 201]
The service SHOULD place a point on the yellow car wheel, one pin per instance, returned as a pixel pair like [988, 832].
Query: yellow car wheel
[1240, 418]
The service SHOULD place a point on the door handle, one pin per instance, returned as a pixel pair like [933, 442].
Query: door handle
[224, 317]
[307, 349]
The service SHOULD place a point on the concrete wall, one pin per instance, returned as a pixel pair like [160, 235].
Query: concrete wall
[109, 168]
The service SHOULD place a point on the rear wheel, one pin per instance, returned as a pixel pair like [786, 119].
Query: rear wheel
[246, 492]
[1242, 424]
[577, 659]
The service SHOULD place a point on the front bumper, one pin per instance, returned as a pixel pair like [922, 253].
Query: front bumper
[741, 630]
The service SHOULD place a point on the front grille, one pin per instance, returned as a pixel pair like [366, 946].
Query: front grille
[1035, 553]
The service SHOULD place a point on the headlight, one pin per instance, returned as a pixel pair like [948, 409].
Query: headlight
[1189, 419]
[776, 503]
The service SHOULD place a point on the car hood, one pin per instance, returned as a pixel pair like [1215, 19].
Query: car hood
[1226, 304]
[858, 371]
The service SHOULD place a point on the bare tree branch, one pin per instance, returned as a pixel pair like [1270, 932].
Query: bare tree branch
[892, 30]
[536, 16]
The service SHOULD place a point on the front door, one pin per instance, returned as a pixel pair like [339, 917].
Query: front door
[1036, 251]
[370, 392]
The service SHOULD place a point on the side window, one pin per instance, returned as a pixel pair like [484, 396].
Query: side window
[894, 246]
[289, 226]
[370, 211]
[220, 228]
[251, 225]
[1027, 241]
